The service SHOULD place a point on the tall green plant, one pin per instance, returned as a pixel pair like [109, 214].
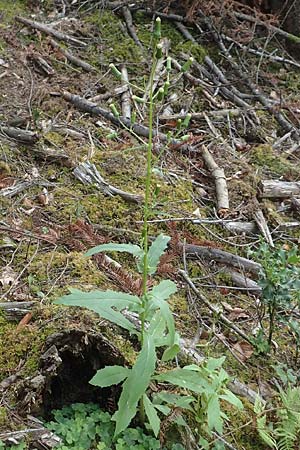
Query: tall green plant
[279, 279]
[157, 327]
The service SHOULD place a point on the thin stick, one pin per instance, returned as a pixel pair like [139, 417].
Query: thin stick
[48, 30]
[213, 309]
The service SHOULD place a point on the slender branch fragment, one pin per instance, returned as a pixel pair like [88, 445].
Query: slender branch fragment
[92, 108]
[125, 96]
[73, 59]
[220, 180]
[267, 25]
[87, 173]
[263, 226]
[278, 189]
[213, 309]
[50, 31]
[220, 256]
[25, 136]
[130, 26]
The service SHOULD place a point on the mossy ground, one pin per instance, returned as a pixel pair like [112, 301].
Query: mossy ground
[47, 267]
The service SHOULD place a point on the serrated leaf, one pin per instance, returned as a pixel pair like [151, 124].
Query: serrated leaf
[163, 409]
[185, 379]
[214, 420]
[157, 328]
[231, 398]
[214, 363]
[163, 290]
[152, 415]
[109, 375]
[181, 401]
[133, 249]
[102, 302]
[155, 251]
[173, 350]
[135, 385]
[158, 296]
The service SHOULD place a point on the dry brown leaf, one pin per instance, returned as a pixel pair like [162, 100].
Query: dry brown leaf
[238, 313]
[243, 350]
[24, 321]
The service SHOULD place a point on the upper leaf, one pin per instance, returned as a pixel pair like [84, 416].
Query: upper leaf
[133, 249]
[103, 302]
[109, 375]
[156, 251]
[152, 415]
[135, 385]
[186, 379]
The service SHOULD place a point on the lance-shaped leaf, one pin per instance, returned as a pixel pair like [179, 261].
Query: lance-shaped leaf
[156, 251]
[186, 379]
[133, 249]
[103, 302]
[158, 296]
[109, 375]
[180, 401]
[152, 415]
[172, 350]
[135, 385]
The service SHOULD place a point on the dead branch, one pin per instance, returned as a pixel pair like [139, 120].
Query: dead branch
[220, 256]
[295, 202]
[241, 227]
[92, 108]
[14, 311]
[273, 110]
[218, 175]
[24, 136]
[243, 282]
[214, 309]
[201, 115]
[125, 96]
[73, 59]
[185, 32]
[50, 31]
[87, 173]
[263, 226]
[130, 26]
[267, 25]
[278, 189]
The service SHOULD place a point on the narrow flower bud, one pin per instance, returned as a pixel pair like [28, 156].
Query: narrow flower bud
[166, 87]
[159, 48]
[137, 99]
[178, 124]
[169, 64]
[157, 28]
[114, 110]
[115, 71]
[186, 121]
[160, 94]
[187, 65]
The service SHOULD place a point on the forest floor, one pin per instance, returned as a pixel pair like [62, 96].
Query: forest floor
[245, 110]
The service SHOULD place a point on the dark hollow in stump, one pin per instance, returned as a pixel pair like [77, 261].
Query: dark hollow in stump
[66, 367]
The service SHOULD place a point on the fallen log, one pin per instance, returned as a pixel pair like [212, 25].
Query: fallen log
[278, 188]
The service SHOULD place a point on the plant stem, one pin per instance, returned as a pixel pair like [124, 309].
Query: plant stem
[147, 198]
